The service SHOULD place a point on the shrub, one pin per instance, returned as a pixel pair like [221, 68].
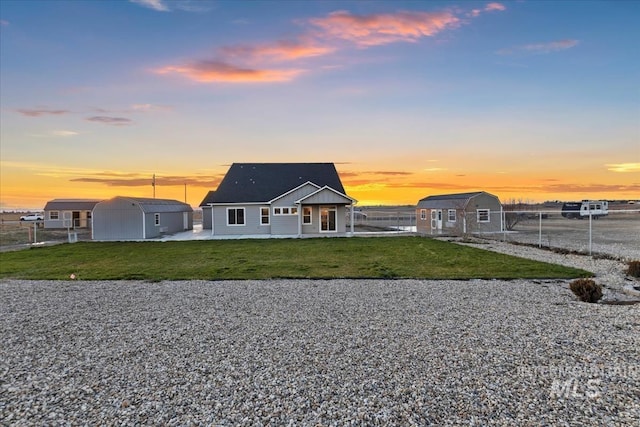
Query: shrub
[634, 269]
[587, 290]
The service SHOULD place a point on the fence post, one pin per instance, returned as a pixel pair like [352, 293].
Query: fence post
[540, 229]
[590, 234]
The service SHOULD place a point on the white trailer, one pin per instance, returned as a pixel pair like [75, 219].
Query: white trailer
[586, 208]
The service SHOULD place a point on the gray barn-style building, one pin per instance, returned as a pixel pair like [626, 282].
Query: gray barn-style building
[278, 199]
[462, 213]
[136, 218]
[69, 213]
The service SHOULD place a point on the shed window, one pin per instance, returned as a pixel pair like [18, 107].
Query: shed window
[423, 214]
[54, 215]
[452, 215]
[264, 216]
[235, 216]
[483, 215]
[306, 215]
[156, 218]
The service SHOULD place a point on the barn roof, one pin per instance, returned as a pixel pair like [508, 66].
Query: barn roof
[71, 204]
[449, 201]
[159, 205]
[262, 182]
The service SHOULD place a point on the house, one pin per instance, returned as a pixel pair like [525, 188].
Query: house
[136, 218]
[278, 199]
[477, 212]
[69, 213]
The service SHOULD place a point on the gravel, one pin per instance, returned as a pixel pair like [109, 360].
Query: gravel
[319, 352]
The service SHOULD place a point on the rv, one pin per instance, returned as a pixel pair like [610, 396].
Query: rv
[586, 208]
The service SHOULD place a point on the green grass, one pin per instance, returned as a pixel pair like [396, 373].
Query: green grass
[380, 257]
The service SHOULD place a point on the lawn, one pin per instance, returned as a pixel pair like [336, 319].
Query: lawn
[322, 258]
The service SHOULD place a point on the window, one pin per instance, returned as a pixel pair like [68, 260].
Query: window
[157, 218]
[264, 216]
[483, 215]
[285, 211]
[452, 215]
[306, 215]
[423, 214]
[235, 216]
[328, 218]
[54, 215]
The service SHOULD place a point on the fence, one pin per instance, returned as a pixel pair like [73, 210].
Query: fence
[617, 234]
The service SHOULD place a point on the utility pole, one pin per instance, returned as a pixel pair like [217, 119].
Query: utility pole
[153, 184]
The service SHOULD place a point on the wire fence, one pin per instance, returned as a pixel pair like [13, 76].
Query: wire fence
[616, 234]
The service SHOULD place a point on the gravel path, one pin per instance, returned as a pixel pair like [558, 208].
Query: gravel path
[305, 352]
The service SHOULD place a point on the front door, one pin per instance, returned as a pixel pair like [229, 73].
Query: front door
[328, 219]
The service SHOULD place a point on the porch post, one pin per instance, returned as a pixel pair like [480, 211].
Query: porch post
[299, 219]
[352, 217]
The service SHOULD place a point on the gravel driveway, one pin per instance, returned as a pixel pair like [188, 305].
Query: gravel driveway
[315, 352]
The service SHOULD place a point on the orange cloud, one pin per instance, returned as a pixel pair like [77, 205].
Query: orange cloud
[488, 8]
[137, 181]
[221, 72]
[372, 30]
[494, 6]
[281, 50]
[624, 167]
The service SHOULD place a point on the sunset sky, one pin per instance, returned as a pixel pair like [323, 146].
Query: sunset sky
[528, 100]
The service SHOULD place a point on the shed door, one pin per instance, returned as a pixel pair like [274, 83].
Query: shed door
[436, 219]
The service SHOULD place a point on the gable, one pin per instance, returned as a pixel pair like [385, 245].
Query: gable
[290, 197]
[326, 195]
[263, 182]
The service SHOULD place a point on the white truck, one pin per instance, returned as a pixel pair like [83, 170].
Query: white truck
[585, 208]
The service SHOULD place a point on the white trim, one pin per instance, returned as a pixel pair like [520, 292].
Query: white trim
[268, 216]
[326, 187]
[488, 211]
[292, 190]
[156, 219]
[244, 217]
[310, 215]
[279, 210]
[333, 208]
[455, 215]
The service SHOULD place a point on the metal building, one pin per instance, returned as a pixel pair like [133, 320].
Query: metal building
[136, 218]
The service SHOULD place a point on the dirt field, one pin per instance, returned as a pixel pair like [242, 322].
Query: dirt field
[16, 234]
[617, 234]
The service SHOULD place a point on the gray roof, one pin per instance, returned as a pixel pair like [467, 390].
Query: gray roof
[159, 205]
[449, 201]
[71, 204]
[262, 182]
